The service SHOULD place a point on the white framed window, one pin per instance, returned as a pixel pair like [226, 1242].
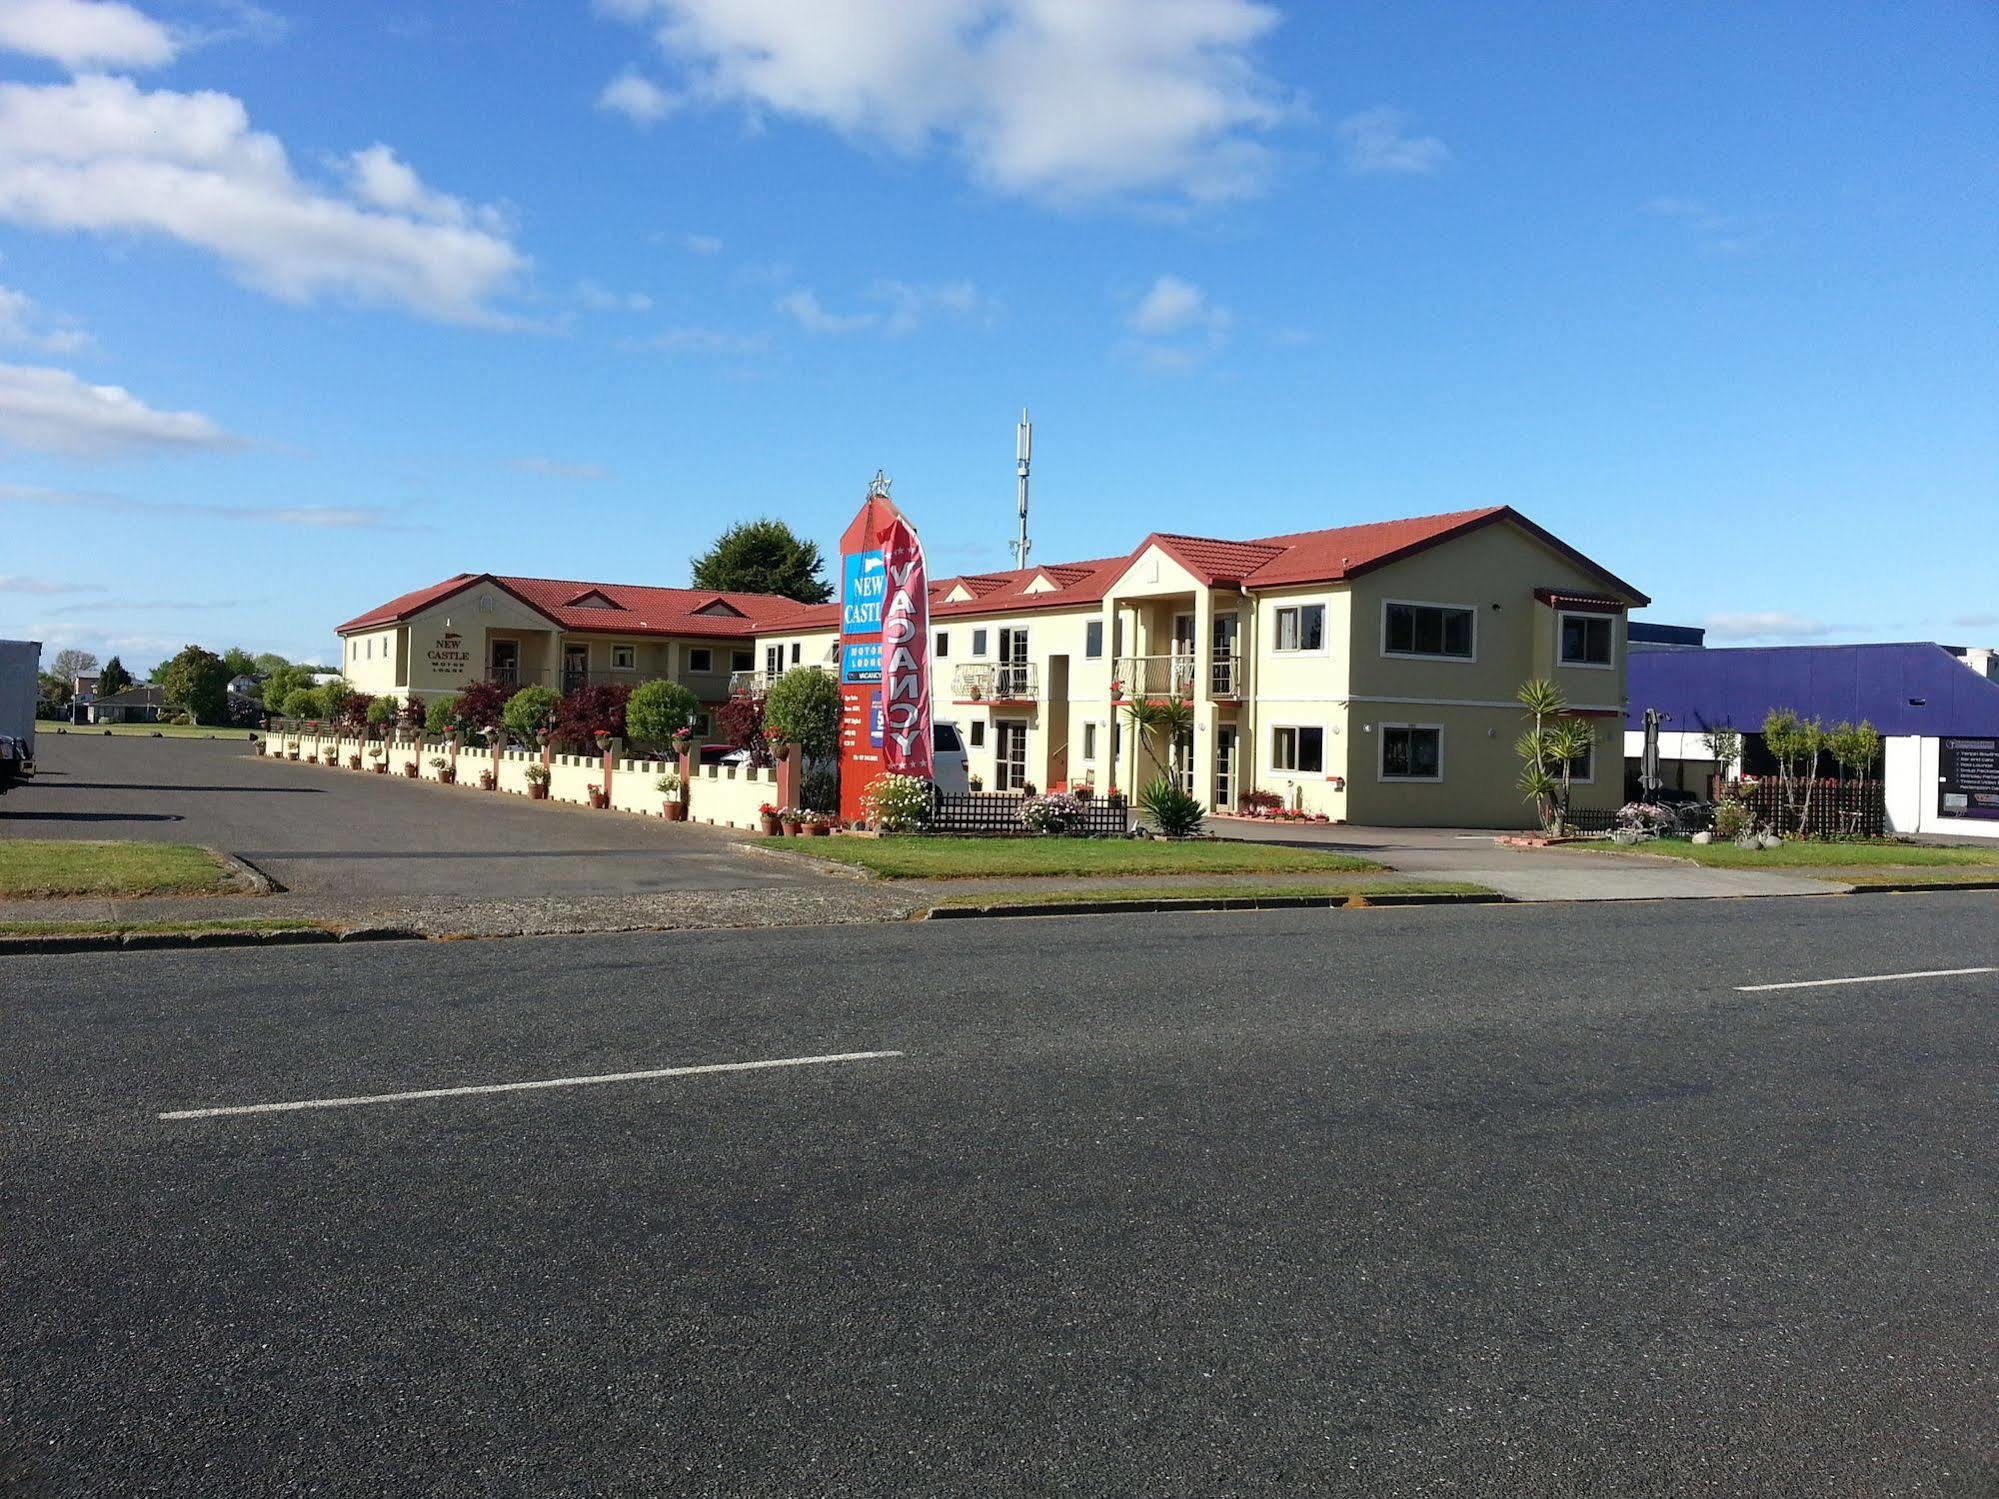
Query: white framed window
[1300, 628]
[1093, 640]
[978, 733]
[1298, 749]
[978, 643]
[1429, 632]
[700, 658]
[1089, 741]
[1587, 640]
[1582, 769]
[942, 648]
[1412, 751]
[742, 661]
[624, 658]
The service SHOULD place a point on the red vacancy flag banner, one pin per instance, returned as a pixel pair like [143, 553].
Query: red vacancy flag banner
[905, 688]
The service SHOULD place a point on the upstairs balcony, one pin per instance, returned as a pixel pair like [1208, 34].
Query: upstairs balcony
[995, 682]
[756, 683]
[1174, 676]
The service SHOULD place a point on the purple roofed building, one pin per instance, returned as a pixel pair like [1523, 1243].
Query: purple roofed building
[1938, 716]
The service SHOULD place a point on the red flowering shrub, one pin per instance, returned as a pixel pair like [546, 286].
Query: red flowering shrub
[482, 705]
[352, 714]
[1258, 803]
[741, 722]
[412, 716]
[588, 711]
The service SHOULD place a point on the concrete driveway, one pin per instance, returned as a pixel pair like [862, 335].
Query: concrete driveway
[1526, 873]
[328, 832]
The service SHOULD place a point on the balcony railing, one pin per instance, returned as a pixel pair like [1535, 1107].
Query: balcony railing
[759, 681]
[1174, 676]
[998, 682]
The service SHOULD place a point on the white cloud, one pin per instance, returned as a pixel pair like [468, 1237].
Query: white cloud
[1176, 306]
[905, 308]
[1378, 140]
[637, 98]
[52, 411]
[699, 341]
[315, 517]
[1045, 98]
[702, 244]
[24, 324]
[85, 33]
[803, 307]
[1177, 326]
[1765, 624]
[600, 298]
[98, 154]
[42, 587]
[1980, 621]
[555, 468]
[1715, 232]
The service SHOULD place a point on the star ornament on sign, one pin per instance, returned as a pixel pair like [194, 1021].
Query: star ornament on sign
[878, 486]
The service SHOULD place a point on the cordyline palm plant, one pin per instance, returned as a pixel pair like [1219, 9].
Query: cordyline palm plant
[1549, 751]
[1173, 717]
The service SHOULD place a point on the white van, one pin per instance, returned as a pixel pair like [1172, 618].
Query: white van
[951, 766]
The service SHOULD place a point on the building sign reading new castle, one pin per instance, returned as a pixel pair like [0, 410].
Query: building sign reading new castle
[448, 656]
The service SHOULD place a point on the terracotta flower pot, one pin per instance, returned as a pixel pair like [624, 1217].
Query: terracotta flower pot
[381, 767]
[676, 811]
[537, 791]
[817, 830]
[447, 775]
[768, 825]
[791, 827]
[411, 772]
[353, 762]
[600, 800]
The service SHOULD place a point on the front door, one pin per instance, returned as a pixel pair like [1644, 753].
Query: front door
[575, 667]
[1012, 668]
[507, 661]
[1225, 736]
[1183, 759]
[1010, 755]
[773, 663]
[1183, 656]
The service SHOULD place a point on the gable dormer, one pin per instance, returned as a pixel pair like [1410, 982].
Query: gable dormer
[959, 594]
[1042, 583]
[721, 608]
[592, 598]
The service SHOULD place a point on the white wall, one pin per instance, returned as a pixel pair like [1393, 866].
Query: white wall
[1911, 770]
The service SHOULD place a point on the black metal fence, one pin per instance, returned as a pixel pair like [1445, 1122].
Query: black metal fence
[997, 814]
[1839, 809]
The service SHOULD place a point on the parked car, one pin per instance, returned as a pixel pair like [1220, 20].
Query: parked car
[20, 660]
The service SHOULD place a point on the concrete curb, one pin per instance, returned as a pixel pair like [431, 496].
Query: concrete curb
[1916, 887]
[252, 879]
[87, 942]
[1227, 903]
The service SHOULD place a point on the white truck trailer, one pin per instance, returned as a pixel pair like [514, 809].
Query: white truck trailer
[20, 670]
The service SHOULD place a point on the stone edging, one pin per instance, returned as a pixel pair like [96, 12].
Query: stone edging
[84, 942]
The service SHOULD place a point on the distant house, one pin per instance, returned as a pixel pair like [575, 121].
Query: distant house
[134, 705]
[243, 686]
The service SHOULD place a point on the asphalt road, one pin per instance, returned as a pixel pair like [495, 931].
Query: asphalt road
[1497, 1201]
[334, 832]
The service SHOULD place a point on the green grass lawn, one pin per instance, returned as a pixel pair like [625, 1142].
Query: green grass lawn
[119, 928]
[1250, 891]
[1799, 854]
[143, 730]
[32, 867]
[1959, 874]
[920, 858]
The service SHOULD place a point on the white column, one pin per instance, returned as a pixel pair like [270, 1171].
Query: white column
[1204, 706]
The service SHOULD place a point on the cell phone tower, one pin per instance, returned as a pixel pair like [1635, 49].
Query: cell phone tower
[1023, 453]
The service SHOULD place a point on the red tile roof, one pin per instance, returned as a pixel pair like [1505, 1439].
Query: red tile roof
[700, 612]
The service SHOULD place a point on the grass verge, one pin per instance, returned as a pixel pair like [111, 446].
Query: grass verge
[34, 867]
[1800, 854]
[921, 858]
[1988, 875]
[120, 928]
[143, 730]
[1215, 892]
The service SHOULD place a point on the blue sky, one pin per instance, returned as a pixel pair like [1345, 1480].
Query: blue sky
[306, 305]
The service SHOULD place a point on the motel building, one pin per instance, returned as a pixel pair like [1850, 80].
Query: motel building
[1364, 672]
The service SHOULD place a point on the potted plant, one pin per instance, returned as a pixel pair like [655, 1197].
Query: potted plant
[599, 797]
[411, 769]
[354, 761]
[381, 766]
[1083, 793]
[675, 805]
[768, 821]
[793, 820]
[538, 783]
[443, 767]
[975, 782]
[489, 780]
[682, 741]
[817, 824]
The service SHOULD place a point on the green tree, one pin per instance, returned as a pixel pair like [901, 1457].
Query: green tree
[656, 711]
[1548, 751]
[529, 712]
[114, 678]
[53, 696]
[764, 556]
[803, 706]
[281, 683]
[196, 682]
[440, 715]
[268, 662]
[239, 661]
[298, 702]
[71, 664]
[1795, 743]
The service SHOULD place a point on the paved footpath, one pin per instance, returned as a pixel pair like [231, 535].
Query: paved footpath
[1526, 873]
